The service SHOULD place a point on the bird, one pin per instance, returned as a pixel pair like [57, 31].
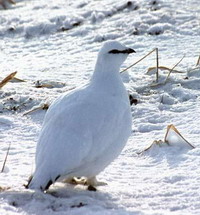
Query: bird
[86, 129]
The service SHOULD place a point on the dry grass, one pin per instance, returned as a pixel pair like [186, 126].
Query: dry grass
[173, 69]
[41, 85]
[15, 79]
[198, 61]
[2, 189]
[164, 68]
[157, 64]
[176, 130]
[157, 67]
[7, 79]
[4, 163]
[161, 142]
[42, 107]
[170, 71]
[138, 61]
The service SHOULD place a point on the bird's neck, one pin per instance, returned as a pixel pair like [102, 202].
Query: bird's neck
[106, 73]
[107, 78]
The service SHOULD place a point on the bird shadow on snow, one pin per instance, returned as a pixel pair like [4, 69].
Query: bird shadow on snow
[60, 199]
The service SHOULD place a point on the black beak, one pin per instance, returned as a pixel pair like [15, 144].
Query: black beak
[129, 51]
[125, 51]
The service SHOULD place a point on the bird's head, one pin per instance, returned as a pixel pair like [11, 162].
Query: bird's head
[114, 52]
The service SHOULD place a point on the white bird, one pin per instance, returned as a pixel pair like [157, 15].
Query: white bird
[85, 130]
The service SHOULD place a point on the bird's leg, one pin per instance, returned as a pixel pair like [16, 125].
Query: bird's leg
[93, 182]
[82, 181]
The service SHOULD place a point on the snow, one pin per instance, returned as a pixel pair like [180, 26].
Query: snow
[44, 41]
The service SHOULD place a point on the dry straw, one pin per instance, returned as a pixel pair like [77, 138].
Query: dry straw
[176, 130]
[42, 107]
[198, 61]
[173, 69]
[161, 142]
[157, 62]
[163, 68]
[7, 79]
[157, 67]
[4, 163]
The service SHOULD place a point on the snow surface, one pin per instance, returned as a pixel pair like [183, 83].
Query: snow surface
[56, 43]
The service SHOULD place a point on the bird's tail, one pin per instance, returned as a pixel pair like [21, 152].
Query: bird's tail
[29, 181]
[40, 182]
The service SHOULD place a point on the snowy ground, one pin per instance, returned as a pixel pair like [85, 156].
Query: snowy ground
[56, 43]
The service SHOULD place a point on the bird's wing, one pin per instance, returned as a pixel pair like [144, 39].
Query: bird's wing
[76, 126]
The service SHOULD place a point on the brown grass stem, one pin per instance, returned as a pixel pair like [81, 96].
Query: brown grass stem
[164, 68]
[4, 163]
[198, 61]
[138, 61]
[157, 64]
[173, 68]
[7, 79]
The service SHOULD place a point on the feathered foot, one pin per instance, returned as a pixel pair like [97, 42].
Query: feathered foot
[92, 182]
[75, 181]
[85, 181]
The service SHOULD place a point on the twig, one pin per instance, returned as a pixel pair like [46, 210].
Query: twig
[7, 79]
[176, 130]
[192, 69]
[17, 80]
[44, 86]
[31, 111]
[4, 163]
[42, 107]
[157, 142]
[138, 61]
[198, 61]
[164, 68]
[2, 189]
[157, 65]
[173, 69]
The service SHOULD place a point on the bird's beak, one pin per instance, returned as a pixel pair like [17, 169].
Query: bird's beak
[129, 51]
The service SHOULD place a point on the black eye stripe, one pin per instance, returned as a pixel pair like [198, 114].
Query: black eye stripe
[125, 51]
[114, 51]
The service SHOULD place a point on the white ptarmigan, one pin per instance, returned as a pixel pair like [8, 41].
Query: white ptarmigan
[86, 129]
